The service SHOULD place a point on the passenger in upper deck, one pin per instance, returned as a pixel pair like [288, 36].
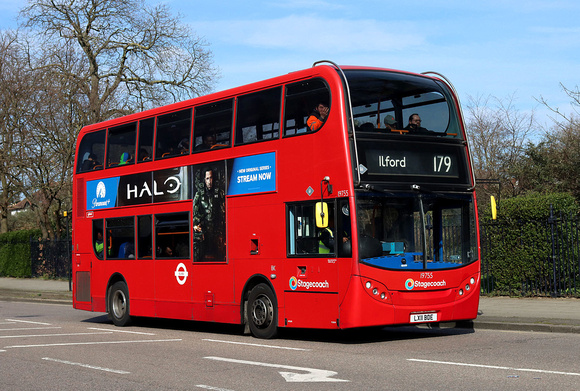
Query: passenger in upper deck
[415, 125]
[318, 116]
[209, 141]
[390, 123]
[90, 163]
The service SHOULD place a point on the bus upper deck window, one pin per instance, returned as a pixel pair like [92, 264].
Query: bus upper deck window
[146, 133]
[258, 116]
[91, 152]
[212, 127]
[301, 99]
[121, 145]
[173, 134]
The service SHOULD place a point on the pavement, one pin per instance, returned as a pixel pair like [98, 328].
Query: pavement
[561, 315]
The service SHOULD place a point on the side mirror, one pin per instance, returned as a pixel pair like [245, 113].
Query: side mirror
[321, 215]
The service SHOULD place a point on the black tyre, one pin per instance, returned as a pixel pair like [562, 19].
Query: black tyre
[262, 312]
[119, 304]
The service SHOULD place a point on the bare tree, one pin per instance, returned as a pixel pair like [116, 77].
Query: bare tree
[131, 50]
[498, 134]
[15, 88]
[89, 61]
[562, 119]
[56, 115]
[561, 152]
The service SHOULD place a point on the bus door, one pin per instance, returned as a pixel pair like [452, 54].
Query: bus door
[173, 292]
[311, 297]
[84, 252]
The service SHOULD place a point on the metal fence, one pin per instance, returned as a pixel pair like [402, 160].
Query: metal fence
[533, 258]
[50, 258]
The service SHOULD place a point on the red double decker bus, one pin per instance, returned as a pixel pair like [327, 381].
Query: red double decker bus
[332, 197]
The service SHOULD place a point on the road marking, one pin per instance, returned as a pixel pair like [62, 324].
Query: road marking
[496, 367]
[312, 375]
[86, 366]
[121, 331]
[28, 321]
[32, 328]
[212, 388]
[257, 345]
[49, 335]
[90, 343]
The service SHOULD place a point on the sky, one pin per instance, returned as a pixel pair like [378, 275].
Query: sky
[505, 49]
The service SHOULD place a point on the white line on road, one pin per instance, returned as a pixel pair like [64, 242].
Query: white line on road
[49, 335]
[256, 344]
[121, 331]
[28, 321]
[32, 328]
[90, 343]
[495, 367]
[311, 375]
[212, 388]
[86, 366]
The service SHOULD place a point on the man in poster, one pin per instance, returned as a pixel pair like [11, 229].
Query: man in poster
[209, 215]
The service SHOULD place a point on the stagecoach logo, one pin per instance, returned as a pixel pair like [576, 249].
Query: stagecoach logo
[410, 284]
[181, 274]
[295, 283]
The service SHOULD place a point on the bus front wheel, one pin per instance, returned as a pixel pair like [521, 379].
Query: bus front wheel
[119, 304]
[262, 312]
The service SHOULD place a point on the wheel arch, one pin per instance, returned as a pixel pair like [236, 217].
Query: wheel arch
[249, 285]
[115, 277]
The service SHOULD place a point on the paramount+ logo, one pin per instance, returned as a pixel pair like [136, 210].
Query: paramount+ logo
[411, 284]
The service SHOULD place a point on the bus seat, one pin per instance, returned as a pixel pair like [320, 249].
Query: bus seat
[126, 250]
[400, 131]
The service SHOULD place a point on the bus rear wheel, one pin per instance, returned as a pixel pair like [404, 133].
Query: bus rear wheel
[119, 304]
[262, 312]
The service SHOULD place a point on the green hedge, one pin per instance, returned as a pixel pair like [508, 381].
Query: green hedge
[15, 253]
[516, 248]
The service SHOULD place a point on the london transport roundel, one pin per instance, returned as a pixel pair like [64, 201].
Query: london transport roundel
[181, 274]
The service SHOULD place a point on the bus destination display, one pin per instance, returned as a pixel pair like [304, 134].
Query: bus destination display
[407, 161]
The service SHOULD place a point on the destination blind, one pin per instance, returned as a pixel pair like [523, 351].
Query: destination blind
[411, 161]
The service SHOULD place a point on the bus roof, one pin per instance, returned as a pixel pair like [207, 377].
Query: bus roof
[323, 69]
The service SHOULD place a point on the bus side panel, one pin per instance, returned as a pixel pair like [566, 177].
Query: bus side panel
[311, 309]
[136, 273]
[173, 289]
[213, 296]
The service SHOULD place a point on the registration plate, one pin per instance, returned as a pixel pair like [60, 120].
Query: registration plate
[424, 317]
